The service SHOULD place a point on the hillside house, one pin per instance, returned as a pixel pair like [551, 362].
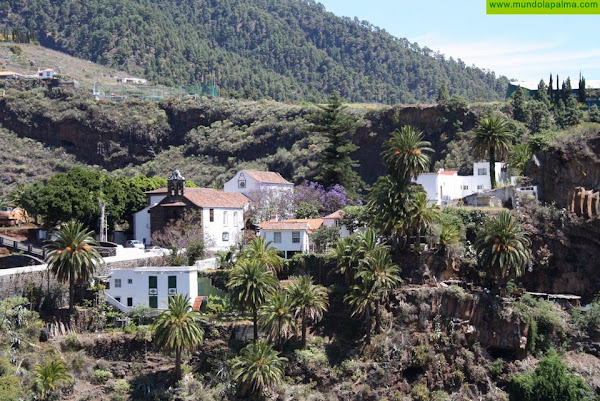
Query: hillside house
[221, 214]
[445, 186]
[132, 80]
[10, 75]
[253, 182]
[150, 286]
[290, 236]
[335, 220]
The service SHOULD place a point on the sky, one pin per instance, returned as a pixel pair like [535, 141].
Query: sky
[521, 47]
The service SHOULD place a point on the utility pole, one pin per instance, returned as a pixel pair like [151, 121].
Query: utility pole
[103, 233]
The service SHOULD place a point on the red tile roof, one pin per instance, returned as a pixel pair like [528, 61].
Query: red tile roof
[335, 215]
[449, 172]
[267, 177]
[292, 224]
[210, 197]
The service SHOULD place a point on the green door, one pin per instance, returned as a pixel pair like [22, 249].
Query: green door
[153, 291]
[153, 301]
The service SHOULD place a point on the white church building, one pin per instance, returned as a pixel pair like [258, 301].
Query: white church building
[445, 186]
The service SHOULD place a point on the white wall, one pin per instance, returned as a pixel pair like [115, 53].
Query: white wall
[252, 185]
[213, 231]
[138, 289]
[286, 243]
[344, 232]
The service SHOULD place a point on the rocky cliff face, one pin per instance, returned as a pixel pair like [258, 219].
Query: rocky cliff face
[565, 246]
[114, 135]
[574, 162]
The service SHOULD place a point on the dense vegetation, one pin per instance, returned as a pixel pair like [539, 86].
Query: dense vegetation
[286, 50]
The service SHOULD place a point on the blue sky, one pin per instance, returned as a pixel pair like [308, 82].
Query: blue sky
[524, 47]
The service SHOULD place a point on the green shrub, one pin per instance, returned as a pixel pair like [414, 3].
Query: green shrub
[71, 343]
[420, 392]
[440, 395]
[10, 388]
[547, 323]
[421, 355]
[496, 368]
[550, 381]
[101, 376]
[312, 357]
[459, 293]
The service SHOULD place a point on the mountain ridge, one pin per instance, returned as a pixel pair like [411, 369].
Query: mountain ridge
[288, 50]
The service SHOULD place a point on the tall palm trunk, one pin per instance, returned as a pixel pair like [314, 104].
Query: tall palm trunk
[72, 291]
[493, 167]
[377, 318]
[303, 327]
[255, 318]
[177, 363]
[368, 319]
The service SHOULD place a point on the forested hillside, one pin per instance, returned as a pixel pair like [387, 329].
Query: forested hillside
[288, 50]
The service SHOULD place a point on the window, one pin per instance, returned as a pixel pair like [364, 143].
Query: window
[129, 301]
[235, 219]
[117, 283]
[118, 299]
[479, 187]
[225, 237]
[153, 301]
[211, 213]
[482, 171]
[277, 237]
[152, 282]
[296, 237]
[242, 181]
[172, 285]
[225, 219]
[129, 281]
[465, 187]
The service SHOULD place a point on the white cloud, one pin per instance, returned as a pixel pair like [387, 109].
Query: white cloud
[520, 59]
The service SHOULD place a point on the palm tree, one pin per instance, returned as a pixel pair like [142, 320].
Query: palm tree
[259, 250]
[71, 256]
[310, 301]
[49, 375]
[383, 277]
[346, 254]
[519, 157]
[178, 328]
[257, 368]
[405, 155]
[361, 300]
[422, 214]
[503, 247]
[250, 283]
[276, 317]
[493, 138]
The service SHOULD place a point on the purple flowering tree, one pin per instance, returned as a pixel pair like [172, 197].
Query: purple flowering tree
[325, 200]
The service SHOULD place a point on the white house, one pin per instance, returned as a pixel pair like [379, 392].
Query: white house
[132, 80]
[252, 182]
[335, 220]
[290, 236]
[445, 186]
[150, 286]
[222, 213]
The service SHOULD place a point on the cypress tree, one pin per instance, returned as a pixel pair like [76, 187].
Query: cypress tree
[567, 90]
[581, 91]
[550, 90]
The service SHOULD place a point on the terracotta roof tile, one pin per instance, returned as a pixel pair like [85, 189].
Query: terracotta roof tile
[449, 172]
[312, 223]
[335, 215]
[157, 191]
[210, 197]
[267, 177]
[283, 225]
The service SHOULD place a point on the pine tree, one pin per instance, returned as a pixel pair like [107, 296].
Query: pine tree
[336, 165]
[519, 106]
[594, 114]
[443, 95]
[542, 93]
